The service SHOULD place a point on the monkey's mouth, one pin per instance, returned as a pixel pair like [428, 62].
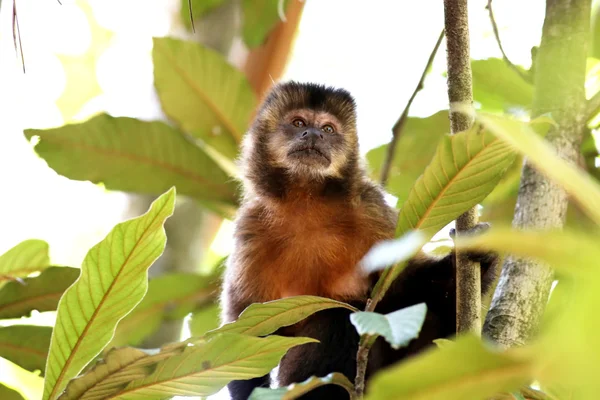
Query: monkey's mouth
[311, 152]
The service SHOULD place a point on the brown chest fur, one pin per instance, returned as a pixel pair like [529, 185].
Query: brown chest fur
[304, 247]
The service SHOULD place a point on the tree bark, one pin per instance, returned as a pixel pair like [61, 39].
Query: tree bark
[524, 285]
[460, 92]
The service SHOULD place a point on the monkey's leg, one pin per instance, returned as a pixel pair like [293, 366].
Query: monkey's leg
[241, 390]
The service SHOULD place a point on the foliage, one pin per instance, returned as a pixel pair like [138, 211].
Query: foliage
[109, 302]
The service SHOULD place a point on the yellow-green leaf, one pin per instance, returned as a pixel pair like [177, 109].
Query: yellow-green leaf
[577, 183]
[25, 258]
[18, 299]
[465, 169]
[204, 320]
[132, 155]
[296, 390]
[113, 280]
[204, 370]
[26, 345]
[466, 369]
[259, 19]
[397, 328]
[205, 95]
[261, 319]
[169, 296]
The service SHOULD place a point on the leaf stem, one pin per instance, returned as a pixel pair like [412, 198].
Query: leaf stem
[391, 150]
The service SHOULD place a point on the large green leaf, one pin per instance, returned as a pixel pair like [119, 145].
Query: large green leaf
[414, 150]
[9, 394]
[466, 369]
[398, 327]
[25, 258]
[259, 19]
[577, 183]
[26, 345]
[296, 390]
[497, 87]
[133, 155]
[465, 169]
[205, 95]
[113, 280]
[204, 320]
[204, 370]
[261, 319]
[199, 9]
[18, 299]
[169, 296]
[104, 377]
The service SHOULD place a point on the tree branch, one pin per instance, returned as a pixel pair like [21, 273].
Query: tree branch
[391, 150]
[460, 91]
[512, 66]
[524, 285]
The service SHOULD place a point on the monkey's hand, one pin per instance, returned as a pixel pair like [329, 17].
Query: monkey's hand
[487, 260]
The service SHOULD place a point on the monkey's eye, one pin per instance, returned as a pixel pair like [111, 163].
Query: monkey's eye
[328, 129]
[299, 123]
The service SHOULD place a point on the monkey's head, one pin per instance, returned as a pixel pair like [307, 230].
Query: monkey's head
[303, 131]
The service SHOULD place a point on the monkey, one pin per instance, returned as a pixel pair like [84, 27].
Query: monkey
[308, 215]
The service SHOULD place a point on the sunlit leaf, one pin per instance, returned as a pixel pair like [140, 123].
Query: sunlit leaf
[261, 319]
[18, 299]
[80, 70]
[389, 252]
[465, 169]
[25, 258]
[199, 9]
[205, 95]
[497, 87]
[113, 280]
[398, 327]
[132, 155]
[577, 183]
[467, 369]
[206, 369]
[9, 394]
[260, 17]
[204, 320]
[414, 150]
[169, 296]
[26, 345]
[101, 379]
[298, 389]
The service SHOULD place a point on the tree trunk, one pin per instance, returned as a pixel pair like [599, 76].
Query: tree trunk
[524, 285]
[460, 92]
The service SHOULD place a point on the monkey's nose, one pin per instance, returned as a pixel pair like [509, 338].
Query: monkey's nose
[312, 134]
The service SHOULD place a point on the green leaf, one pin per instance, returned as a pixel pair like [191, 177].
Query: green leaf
[577, 183]
[134, 156]
[113, 280]
[296, 390]
[205, 95]
[497, 87]
[199, 9]
[18, 299]
[260, 319]
[171, 296]
[9, 394]
[206, 369]
[465, 169]
[260, 17]
[467, 369]
[415, 148]
[25, 258]
[389, 252]
[104, 377]
[26, 345]
[204, 320]
[398, 327]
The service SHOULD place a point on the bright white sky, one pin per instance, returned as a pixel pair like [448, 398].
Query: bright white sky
[375, 49]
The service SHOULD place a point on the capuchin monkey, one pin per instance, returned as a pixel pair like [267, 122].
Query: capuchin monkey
[309, 214]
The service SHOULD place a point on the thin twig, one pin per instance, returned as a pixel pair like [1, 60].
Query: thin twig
[17, 33]
[512, 66]
[191, 15]
[391, 150]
